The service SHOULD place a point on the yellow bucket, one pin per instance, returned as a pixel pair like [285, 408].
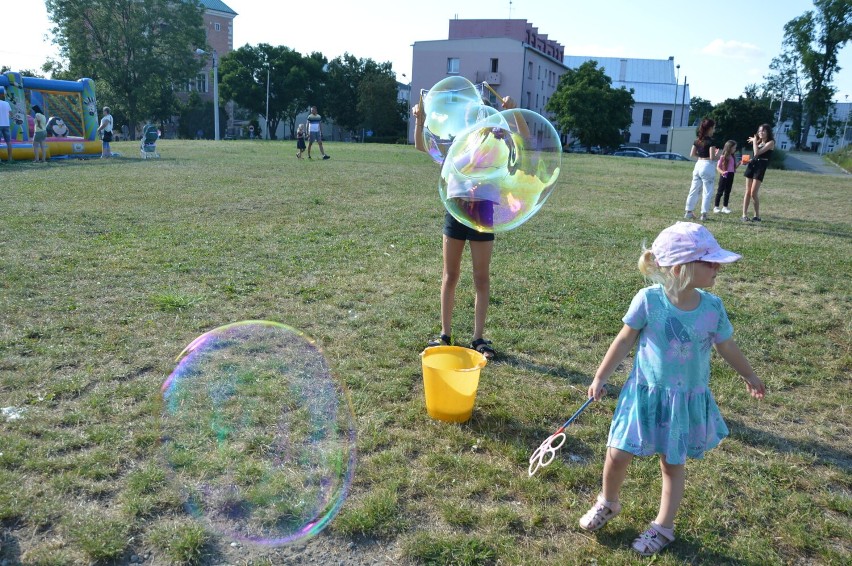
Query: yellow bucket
[450, 381]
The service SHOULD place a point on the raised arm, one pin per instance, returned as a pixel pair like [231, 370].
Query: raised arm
[419, 119]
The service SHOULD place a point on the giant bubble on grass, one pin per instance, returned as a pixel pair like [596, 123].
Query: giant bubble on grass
[258, 434]
[499, 172]
[451, 106]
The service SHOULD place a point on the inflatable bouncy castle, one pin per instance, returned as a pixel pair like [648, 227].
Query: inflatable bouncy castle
[69, 106]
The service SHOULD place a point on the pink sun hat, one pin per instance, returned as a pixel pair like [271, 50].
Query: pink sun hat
[685, 242]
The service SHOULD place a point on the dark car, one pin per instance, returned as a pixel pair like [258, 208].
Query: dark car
[668, 155]
[630, 153]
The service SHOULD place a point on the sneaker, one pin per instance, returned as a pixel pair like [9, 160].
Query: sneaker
[703, 216]
[726, 210]
[689, 215]
[326, 157]
[716, 210]
[746, 219]
[755, 219]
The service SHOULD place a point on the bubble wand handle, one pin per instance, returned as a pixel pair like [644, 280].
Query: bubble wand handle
[494, 92]
[545, 453]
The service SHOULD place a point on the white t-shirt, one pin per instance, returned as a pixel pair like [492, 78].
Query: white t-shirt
[106, 123]
[5, 109]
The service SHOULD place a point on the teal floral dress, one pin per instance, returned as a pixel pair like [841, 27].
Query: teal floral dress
[666, 406]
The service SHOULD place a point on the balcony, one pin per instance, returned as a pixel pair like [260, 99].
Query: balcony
[489, 77]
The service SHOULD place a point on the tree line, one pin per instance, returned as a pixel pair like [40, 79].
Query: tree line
[142, 54]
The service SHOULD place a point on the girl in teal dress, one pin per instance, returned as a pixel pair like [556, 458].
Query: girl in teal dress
[666, 406]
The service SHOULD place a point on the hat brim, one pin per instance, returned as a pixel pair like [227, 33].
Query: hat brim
[721, 256]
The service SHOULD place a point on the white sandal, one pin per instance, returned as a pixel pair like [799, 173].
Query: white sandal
[653, 540]
[600, 514]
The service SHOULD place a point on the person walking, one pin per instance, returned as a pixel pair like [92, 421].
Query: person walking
[762, 143]
[704, 172]
[300, 140]
[315, 132]
[666, 407]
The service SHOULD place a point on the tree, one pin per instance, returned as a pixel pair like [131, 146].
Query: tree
[244, 80]
[378, 106]
[738, 119]
[813, 41]
[699, 108]
[139, 48]
[785, 83]
[586, 107]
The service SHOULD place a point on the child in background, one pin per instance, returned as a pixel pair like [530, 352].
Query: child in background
[727, 167]
[300, 140]
[666, 406]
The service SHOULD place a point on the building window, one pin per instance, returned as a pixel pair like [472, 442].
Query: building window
[646, 117]
[783, 145]
[664, 139]
[217, 26]
[200, 82]
[494, 68]
[453, 66]
[667, 119]
[645, 138]
[529, 69]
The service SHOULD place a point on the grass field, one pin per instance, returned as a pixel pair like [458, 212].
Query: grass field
[109, 268]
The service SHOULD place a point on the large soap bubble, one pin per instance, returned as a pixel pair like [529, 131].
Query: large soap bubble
[259, 436]
[499, 172]
[452, 105]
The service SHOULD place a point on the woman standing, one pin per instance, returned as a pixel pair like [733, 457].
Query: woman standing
[704, 172]
[763, 142]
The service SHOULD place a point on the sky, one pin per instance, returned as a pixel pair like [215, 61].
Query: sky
[721, 48]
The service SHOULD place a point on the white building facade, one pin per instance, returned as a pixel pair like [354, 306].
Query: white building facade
[518, 61]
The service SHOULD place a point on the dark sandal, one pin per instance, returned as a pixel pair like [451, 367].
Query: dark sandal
[442, 340]
[483, 346]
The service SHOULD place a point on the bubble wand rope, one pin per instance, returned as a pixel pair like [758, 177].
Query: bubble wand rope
[545, 453]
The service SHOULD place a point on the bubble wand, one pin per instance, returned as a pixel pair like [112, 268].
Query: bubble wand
[545, 453]
[494, 92]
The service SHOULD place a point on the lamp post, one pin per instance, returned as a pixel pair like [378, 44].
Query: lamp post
[215, 91]
[267, 98]
[846, 123]
[408, 109]
[674, 108]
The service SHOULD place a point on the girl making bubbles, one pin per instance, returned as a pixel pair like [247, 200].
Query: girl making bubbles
[666, 406]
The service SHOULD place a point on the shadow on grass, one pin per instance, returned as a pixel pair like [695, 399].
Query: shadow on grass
[10, 549]
[825, 455]
[806, 226]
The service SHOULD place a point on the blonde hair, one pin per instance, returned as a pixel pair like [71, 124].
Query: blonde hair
[674, 279]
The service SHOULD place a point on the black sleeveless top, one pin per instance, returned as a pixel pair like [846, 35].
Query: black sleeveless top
[765, 156]
[702, 148]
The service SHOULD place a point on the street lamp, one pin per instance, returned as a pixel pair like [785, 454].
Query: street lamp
[846, 123]
[266, 64]
[215, 91]
[674, 107]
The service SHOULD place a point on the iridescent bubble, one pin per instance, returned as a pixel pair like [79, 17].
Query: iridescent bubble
[451, 106]
[258, 434]
[499, 172]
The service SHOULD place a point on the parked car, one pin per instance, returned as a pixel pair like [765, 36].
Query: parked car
[632, 148]
[578, 148]
[630, 153]
[668, 155]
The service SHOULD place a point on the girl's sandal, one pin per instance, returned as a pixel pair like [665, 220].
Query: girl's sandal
[483, 346]
[600, 514]
[442, 340]
[653, 540]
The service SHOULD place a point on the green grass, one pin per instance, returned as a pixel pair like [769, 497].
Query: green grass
[108, 269]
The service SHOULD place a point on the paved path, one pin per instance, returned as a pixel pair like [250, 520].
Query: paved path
[811, 162]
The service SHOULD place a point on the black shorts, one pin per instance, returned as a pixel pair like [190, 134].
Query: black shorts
[458, 231]
[107, 137]
[756, 169]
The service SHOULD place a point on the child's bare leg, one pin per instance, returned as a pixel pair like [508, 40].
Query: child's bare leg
[614, 472]
[674, 480]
